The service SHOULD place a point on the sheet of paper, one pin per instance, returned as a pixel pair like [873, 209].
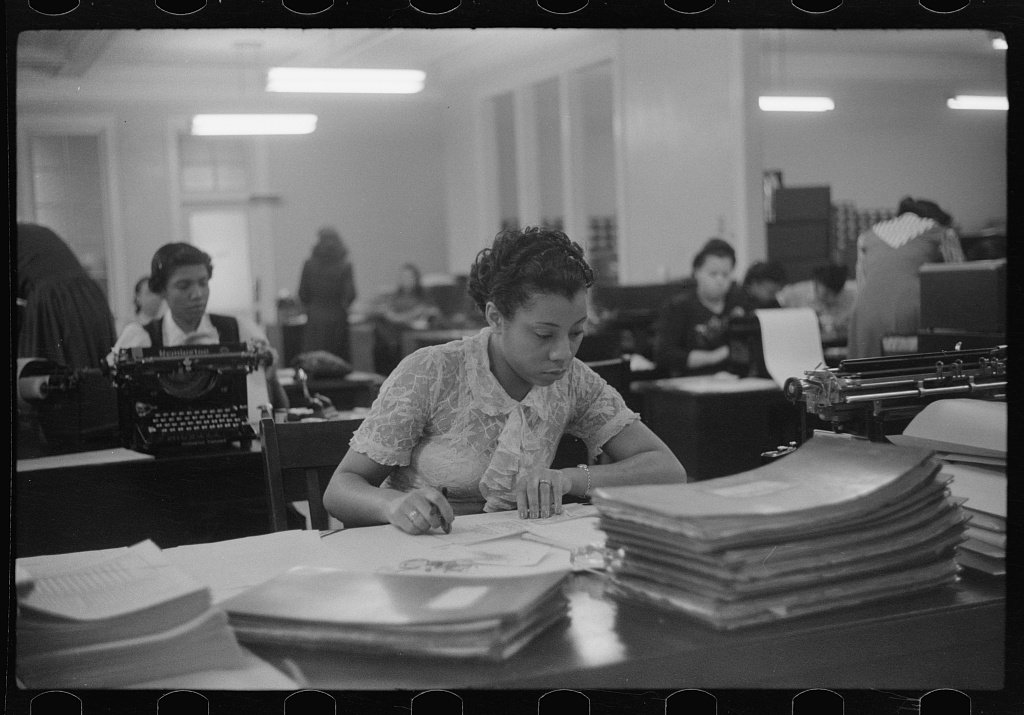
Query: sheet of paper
[229, 567]
[792, 342]
[128, 581]
[78, 459]
[257, 395]
[716, 384]
[960, 425]
[478, 528]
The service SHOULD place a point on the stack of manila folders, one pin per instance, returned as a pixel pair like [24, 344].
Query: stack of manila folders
[124, 620]
[969, 436]
[838, 523]
[416, 615]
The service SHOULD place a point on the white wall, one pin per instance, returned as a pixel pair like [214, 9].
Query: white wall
[407, 178]
[372, 169]
[689, 172]
[885, 142]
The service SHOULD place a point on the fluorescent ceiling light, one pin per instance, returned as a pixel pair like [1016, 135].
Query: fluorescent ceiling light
[795, 104]
[326, 79]
[999, 43]
[235, 124]
[969, 101]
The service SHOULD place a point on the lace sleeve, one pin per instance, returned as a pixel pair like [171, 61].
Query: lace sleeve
[598, 412]
[398, 416]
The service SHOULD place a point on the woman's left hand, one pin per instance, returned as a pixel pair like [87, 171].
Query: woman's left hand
[539, 493]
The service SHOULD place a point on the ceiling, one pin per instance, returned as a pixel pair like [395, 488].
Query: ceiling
[142, 59]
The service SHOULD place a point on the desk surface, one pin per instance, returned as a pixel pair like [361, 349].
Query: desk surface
[949, 638]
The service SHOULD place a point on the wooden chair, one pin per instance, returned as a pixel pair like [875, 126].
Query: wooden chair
[298, 460]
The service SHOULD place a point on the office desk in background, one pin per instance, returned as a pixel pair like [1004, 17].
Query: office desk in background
[413, 340]
[718, 426]
[357, 389]
[78, 502]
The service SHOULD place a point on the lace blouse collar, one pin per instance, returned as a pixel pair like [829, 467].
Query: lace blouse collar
[488, 394]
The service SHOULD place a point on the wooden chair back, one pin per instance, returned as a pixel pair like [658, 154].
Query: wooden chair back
[298, 461]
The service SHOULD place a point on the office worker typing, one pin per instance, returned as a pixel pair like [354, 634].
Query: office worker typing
[481, 417]
[180, 273]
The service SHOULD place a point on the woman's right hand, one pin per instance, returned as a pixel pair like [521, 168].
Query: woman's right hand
[420, 511]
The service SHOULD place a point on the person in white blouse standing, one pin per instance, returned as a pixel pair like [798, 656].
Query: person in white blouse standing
[473, 425]
[180, 273]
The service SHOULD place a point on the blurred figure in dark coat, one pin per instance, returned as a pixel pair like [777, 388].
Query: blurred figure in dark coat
[327, 289]
[65, 316]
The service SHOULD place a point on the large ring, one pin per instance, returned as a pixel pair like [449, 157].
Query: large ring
[544, 481]
[413, 514]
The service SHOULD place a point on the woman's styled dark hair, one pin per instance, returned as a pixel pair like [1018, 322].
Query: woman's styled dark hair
[138, 288]
[522, 262]
[329, 246]
[831, 275]
[172, 256]
[925, 209]
[714, 247]
[760, 272]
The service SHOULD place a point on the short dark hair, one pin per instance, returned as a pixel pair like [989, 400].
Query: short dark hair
[521, 262]
[172, 256]
[760, 272]
[714, 247]
[832, 276]
[925, 209]
[138, 287]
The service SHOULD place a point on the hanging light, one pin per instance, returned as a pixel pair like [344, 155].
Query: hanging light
[344, 80]
[795, 104]
[250, 124]
[977, 101]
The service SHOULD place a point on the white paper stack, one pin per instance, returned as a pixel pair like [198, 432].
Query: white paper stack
[970, 438]
[126, 619]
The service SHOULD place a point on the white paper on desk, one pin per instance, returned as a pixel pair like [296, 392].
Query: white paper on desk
[229, 567]
[257, 395]
[496, 552]
[477, 528]
[960, 425]
[791, 340]
[78, 459]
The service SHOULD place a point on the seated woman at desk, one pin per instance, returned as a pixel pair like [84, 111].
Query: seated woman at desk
[407, 308]
[480, 418]
[180, 274]
[692, 329]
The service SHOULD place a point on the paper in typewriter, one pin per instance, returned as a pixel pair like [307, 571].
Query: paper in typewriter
[791, 341]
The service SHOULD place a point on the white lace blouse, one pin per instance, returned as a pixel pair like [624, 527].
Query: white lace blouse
[443, 419]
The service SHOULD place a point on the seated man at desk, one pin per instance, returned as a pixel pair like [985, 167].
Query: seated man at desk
[473, 425]
[180, 274]
[692, 329]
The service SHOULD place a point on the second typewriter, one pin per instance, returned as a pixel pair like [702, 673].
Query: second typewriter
[185, 396]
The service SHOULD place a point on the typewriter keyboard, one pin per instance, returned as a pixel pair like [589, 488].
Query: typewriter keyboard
[197, 424]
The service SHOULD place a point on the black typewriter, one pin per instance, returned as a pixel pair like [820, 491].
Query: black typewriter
[874, 397]
[185, 396]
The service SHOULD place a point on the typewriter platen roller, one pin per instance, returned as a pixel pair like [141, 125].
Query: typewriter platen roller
[874, 397]
[184, 396]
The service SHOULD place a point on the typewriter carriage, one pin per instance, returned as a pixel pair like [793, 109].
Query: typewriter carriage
[874, 397]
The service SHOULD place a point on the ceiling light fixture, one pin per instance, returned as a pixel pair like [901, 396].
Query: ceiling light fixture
[344, 80]
[975, 101]
[795, 104]
[999, 43]
[250, 124]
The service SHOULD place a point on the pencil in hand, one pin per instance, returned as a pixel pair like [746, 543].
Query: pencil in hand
[445, 524]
